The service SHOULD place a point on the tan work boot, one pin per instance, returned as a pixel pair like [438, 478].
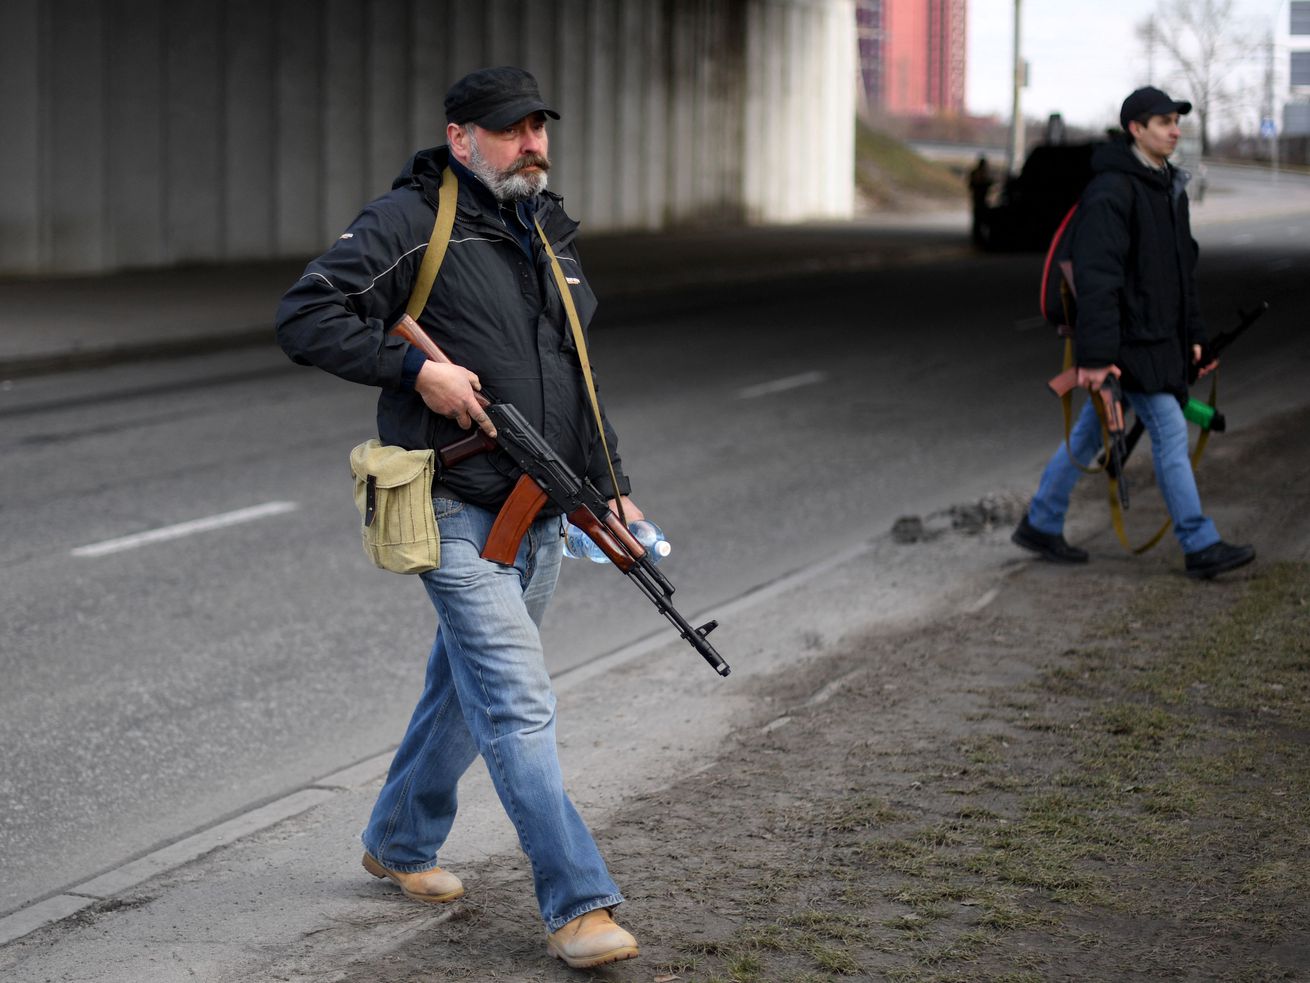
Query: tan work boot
[434, 886]
[591, 940]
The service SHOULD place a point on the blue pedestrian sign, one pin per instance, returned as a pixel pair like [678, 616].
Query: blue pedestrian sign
[1268, 128]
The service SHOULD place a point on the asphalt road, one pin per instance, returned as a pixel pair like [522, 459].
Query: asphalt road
[158, 688]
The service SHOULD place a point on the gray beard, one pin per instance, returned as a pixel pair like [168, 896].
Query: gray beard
[508, 185]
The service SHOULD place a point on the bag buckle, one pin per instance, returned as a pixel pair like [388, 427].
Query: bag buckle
[370, 500]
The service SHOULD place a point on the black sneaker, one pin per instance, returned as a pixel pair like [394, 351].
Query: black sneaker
[1050, 546]
[1217, 559]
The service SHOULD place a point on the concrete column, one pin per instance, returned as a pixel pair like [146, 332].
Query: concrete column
[74, 144]
[386, 107]
[135, 179]
[839, 52]
[653, 98]
[194, 131]
[428, 81]
[631, 151]
[569, 137]
[606, 149]
[299, 184]
[249, 190]
[21, 123]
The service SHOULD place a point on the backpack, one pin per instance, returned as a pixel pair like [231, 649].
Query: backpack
[1058, 303]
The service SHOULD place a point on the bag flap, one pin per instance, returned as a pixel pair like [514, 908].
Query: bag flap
[389, 465]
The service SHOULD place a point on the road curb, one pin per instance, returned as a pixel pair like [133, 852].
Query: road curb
[27, 920]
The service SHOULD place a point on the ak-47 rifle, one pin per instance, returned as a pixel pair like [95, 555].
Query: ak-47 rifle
[547, 478]
[1111, 397]
[1202, 414]
[1211, 350]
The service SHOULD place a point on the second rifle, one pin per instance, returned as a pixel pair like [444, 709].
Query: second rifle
[1202, 414]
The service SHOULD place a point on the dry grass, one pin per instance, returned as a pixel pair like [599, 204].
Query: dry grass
[1145, 808]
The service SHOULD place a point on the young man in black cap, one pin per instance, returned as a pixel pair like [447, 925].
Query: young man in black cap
[497, 313]
[1139, 318]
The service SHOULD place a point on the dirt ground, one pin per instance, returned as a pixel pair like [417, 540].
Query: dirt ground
[1101, 775]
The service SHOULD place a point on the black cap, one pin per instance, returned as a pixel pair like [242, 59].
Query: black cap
[1150, 101]
[493, 98]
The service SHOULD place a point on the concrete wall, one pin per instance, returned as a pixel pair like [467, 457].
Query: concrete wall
[143, 133]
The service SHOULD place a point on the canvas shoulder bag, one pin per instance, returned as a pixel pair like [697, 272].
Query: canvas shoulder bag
[393, 485]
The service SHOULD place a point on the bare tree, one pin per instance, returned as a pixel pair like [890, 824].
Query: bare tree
[1200, 41]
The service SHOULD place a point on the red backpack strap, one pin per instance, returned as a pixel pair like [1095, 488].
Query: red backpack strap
[1051, 251]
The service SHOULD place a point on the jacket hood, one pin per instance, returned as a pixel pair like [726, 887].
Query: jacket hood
[424, 165]
[1118, 157]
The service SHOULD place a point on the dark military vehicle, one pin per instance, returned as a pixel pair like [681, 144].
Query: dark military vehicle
[1032, 203]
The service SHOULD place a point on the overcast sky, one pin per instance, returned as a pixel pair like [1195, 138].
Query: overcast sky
[1083, 57]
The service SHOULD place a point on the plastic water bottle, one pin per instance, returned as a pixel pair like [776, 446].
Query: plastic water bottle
[652, 538]
[579, 545]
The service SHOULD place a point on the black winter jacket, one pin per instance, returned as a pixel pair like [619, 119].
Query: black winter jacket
[1134, 262]
[492, 310]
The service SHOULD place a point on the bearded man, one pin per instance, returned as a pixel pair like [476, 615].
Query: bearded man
[497, 312]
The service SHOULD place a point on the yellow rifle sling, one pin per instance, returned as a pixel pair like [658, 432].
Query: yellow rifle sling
[447, 199]
[581, 344]
[1112, 483]
[427, 276]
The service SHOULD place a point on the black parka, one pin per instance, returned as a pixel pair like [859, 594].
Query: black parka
[1134, 262]
[492, 310]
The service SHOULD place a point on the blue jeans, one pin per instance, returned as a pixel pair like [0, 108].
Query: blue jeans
[1164, 422]
[487, 692]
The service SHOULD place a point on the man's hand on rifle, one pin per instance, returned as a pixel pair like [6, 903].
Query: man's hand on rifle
[1094, 379]
[1198, 353]
[451, 391]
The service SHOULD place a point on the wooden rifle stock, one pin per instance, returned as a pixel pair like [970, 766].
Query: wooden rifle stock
[408, 329]
[475, 443]
[1067, 381]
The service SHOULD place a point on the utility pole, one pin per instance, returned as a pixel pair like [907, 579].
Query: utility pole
[1016, 110]
[1270, 121]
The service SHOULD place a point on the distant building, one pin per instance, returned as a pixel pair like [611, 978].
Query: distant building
[1296, 42]
[912, 55]
[869, 35]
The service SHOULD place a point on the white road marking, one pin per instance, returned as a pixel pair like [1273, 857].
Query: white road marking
[782, 385]
[184, 529]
